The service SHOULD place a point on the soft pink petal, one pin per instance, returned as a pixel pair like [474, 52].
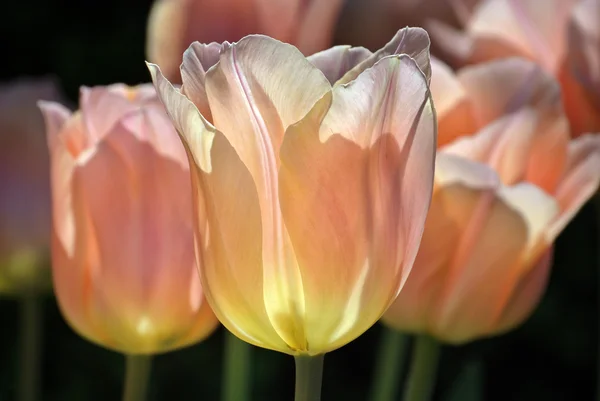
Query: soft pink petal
[501, 87]
[363, 178]
[227, 220]
[270, 86]
[461, 200]
[55, 116]
[524, 146]
[102, 108]
[453, 106]
[197, 59]
[411, 41]
[338, 60]
[462, 281]
[580, 181]
[134, 232]
[526, 295]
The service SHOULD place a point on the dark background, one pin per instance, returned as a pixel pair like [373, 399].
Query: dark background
[89, 42]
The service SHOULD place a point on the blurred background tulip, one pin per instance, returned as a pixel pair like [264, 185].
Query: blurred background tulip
[174, 24]
[297, 259]
[564, 39]
[501, 196]
[25, 196]
[370, 23]
[25, 216]
[122, 251]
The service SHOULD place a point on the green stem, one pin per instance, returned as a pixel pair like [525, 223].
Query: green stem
[236, 374]
[309, 375]
[423, 369]
[389, 367]
[137, 377]
[31, 345]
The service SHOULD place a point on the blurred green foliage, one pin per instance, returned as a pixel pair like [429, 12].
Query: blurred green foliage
[552, 357]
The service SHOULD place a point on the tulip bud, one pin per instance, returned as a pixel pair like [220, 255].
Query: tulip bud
[122, 245]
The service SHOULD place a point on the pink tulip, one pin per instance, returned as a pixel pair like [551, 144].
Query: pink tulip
[122, 248]
[371, 23]
[25, 196]
[174, 24]
[310, 195]
[478, 95]
[501, 197]
[562, 37]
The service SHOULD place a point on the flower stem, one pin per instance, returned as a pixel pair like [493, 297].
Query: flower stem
[389, 367]
[137, 377]
[309, 375]
[236, 374]
[31, 345]
[423, 369]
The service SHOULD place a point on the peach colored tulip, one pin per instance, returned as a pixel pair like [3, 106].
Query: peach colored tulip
[174, 24]
[25, 182]
[500, 199]
[122, 247]
[310, 198]
[477, 95]
[562, 36]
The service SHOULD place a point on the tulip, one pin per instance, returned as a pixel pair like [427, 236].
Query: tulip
[174, 24]
[371, 23]
[25, 197]
[122, 248]
[501, 197]
[310, 188]
[562, 37]
[475, 96]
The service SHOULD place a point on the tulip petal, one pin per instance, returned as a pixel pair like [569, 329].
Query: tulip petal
[227, 223]
[271, 86]
[454, 110]
[126, 173]
[523, 146]
[411, 41]
[55, 116]
[502, 237]
[460, 48]
[504, 86]
[580, 181]
[461, 199]
[103, 107]
[338, 60]
[195, 131]
[362, 178]
[197, 59]
[526, 296]
[64, 149]
[538, 34]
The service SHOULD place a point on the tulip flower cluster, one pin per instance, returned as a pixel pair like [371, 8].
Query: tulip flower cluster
[298, 193]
